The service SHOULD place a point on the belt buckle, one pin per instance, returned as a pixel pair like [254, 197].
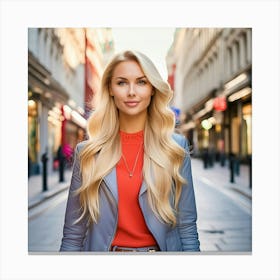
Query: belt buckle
[151, 250]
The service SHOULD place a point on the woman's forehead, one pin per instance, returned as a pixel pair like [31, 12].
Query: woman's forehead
[128, 68]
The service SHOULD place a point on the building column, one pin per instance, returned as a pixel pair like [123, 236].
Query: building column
[249, 45]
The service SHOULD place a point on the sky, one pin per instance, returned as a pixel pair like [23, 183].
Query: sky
[154, 42]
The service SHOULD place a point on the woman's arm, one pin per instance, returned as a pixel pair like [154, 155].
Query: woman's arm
[74, 234]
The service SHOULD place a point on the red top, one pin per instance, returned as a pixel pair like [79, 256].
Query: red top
[132, 230]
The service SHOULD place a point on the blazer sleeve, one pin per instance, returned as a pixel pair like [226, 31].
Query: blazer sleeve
[187, 215]
[74, 233]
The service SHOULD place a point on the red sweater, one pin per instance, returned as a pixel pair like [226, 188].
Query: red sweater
[132, 230]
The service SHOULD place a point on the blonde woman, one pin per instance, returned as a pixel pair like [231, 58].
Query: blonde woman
[131, 188]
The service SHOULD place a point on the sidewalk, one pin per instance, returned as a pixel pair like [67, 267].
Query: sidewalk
[35, 187]
[220, 176]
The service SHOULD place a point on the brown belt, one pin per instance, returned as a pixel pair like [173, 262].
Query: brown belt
[129, 249]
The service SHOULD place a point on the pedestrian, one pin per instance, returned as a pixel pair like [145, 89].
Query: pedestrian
[205, 157]
[131, 187]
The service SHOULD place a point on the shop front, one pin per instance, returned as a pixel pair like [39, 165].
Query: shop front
[45, 97]
[33, 136]
[239, 117]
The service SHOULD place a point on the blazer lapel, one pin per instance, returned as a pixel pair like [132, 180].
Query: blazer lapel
[143, 188]
[111, 182]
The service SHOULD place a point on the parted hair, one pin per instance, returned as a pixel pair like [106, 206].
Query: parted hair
[163, 157]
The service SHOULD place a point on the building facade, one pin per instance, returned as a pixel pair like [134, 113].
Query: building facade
[210, 70]
[59, 80]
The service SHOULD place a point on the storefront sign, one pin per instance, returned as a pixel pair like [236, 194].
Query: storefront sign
[220, 103]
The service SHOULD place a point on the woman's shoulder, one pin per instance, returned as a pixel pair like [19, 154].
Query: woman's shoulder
[180, 139]
[81, 145]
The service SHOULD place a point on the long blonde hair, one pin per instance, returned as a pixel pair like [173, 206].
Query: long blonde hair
[162, 155]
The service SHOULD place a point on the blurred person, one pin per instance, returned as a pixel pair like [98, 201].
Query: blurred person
[61, 163]
[211, 155]
[68, 153]
[205, 157]
[131, 188]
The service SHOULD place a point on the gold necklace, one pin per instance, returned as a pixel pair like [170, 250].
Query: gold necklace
[131, 172]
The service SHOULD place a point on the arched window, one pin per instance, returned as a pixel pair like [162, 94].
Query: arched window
[243, 50]
[229, 62]
[237, 58]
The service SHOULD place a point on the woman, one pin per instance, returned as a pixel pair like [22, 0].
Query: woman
[131, 188]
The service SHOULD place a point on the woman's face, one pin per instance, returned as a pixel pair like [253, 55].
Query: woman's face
[131, 89]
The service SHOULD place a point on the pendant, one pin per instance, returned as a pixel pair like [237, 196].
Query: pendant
[130, 175]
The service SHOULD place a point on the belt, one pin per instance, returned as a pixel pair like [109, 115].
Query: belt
[130, 249]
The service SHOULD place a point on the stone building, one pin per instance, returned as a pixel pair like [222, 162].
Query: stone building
[64, 67]
[210, 72]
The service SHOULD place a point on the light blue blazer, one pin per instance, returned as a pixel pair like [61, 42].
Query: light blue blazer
[99, 236]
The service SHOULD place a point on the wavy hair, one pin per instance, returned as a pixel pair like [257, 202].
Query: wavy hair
[162, 155]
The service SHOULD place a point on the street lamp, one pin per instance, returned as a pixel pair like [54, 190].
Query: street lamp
[206, 124]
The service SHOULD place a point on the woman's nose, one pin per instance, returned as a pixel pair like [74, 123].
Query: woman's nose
[131, 90]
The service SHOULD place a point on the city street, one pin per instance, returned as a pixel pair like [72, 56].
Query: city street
[224, 218]
[224, 215]
[45, 224]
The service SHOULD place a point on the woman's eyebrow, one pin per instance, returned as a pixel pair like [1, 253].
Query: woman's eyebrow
[141, 78]
[123, 78]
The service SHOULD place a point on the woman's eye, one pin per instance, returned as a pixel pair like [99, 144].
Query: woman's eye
[121, 83]
[142, 82]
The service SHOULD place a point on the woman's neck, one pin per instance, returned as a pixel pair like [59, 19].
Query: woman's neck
[132, 124]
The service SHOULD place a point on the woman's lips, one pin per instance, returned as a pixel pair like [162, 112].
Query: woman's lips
[131, 103]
